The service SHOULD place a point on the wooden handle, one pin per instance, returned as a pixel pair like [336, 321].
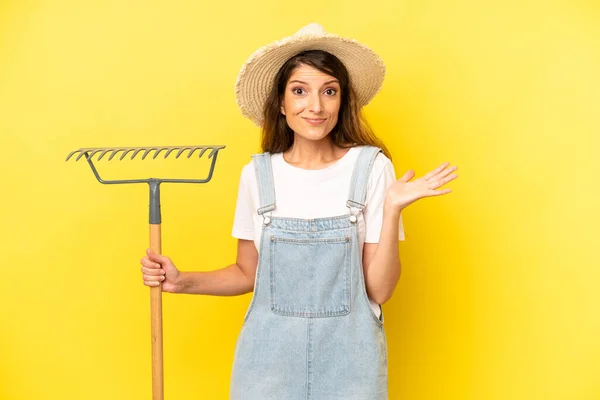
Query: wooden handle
[156, 322]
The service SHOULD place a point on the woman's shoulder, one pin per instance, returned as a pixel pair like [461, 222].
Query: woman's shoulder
[382, 162]
[247, 174]
[382, 166]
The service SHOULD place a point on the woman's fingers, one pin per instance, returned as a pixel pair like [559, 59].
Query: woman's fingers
[148, 263]
[434, 184]
[408, 175]
[446, 172]
[436, 171]
[152, 280]
[444, 180]
[440, 192]
[442, 177]
[157, 257]
[153, 271]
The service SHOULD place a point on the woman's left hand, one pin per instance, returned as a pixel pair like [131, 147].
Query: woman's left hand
[402, 193]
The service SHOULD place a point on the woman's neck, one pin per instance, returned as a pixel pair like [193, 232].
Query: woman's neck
[311, 154]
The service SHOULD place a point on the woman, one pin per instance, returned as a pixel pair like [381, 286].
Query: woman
[318, 219]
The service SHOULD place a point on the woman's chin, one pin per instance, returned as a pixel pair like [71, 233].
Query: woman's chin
[313, 134]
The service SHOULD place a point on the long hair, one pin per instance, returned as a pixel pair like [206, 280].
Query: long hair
[351, 128]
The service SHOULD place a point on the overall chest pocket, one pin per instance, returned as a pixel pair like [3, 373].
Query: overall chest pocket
[310, 277]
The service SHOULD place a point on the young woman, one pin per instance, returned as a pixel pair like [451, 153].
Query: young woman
[318, 219]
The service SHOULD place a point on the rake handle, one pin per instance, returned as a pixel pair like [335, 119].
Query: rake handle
[156, 322]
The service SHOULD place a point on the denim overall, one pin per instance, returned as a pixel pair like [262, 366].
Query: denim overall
[310, 332]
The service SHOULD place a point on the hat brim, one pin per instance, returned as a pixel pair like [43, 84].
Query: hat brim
[255, 79]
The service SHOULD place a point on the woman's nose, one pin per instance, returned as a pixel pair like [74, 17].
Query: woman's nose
[315, 103]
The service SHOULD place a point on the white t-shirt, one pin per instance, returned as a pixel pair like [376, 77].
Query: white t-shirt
[307, 194]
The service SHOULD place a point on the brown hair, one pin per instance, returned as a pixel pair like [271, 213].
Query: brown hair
[351, 129]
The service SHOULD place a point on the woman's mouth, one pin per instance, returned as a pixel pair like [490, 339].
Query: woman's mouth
[314, 121]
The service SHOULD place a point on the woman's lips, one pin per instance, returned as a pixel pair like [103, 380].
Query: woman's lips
[314, 121]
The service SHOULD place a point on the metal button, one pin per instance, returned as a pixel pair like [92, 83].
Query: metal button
[267, 220]
[353, 219]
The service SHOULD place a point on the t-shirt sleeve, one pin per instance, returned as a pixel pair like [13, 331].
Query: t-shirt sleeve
[243, 225]
[373, 211]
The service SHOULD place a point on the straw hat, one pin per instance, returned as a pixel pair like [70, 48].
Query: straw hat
[255, 79]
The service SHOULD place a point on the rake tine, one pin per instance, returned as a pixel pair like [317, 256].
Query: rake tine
[94, 152]
[103, 153]
[170, 150]
[70, 154]
[213, 153]
[114, 153]
[181, 151]
[125, 151]
[158, 151]
[193, 150]
[148, 151]
[136, 152]
[202, 152]
[83, 152]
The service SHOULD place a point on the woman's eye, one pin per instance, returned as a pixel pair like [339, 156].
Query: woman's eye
[331, 92]
[297, 90]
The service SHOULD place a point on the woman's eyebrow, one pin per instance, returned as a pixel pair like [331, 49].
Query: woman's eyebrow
[304, 83]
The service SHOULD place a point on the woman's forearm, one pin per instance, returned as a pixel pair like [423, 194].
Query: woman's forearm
[228, 281]
[383, 272]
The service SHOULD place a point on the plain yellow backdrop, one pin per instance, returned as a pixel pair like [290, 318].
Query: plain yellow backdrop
[498, 297]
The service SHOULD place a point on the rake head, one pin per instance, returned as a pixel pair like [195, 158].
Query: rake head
[90, 152]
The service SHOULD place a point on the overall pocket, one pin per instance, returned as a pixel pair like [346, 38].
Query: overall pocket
[310, 277]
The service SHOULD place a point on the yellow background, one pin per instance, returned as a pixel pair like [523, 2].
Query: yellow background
[499, 293]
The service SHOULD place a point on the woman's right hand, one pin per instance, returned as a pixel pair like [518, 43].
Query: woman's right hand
[157, 269]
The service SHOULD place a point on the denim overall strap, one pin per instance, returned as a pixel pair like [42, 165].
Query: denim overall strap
[360, 177]
[264, 178]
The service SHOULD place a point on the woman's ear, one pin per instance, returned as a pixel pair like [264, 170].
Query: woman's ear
[282, 108]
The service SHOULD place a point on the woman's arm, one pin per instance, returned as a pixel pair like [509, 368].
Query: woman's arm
[233, 280]
[381, 261]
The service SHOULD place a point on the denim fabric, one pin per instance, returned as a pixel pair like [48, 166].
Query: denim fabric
[310, 332]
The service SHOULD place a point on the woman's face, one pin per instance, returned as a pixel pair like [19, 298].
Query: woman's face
[311, 102]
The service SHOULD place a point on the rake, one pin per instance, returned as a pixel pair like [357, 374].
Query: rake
[155, 223]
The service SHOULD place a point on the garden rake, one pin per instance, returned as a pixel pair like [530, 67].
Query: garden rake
[155, 232]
